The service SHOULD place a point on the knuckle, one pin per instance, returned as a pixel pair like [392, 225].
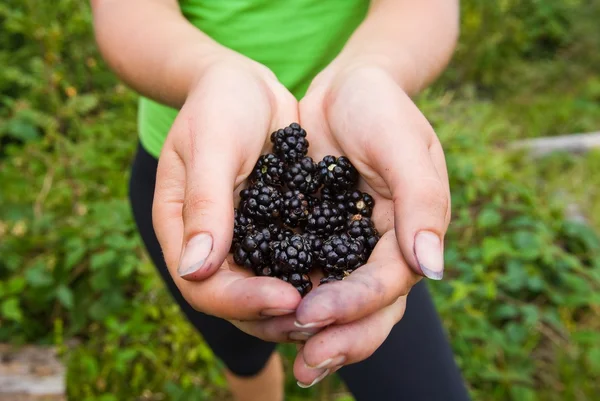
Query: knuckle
[196, 203]
[432, 195]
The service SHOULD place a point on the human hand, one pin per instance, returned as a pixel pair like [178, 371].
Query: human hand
[211, 149]
[362, 113]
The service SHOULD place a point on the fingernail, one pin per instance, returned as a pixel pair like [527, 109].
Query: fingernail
[330, 363]
[300, 335]
[277, 312]
[313, 324]
[194, 254]
[428, 251]
[318, 379]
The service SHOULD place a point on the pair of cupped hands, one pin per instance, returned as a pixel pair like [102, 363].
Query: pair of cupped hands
[354, 109]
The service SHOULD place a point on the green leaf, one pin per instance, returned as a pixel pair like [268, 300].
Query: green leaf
[15, 285]
[489, 218]
[38, 275]
[65, 296]
[528, 244]
[494, 248]
[11, 309]
[506, 311]
[22, 129]
[531, 315]
[593, 360]
[76, 250]
[523, 393]
[83, 104]
[515, 277]
[104, 259]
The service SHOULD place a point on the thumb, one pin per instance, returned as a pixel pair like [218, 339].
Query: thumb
[417, 177]
[207, 209]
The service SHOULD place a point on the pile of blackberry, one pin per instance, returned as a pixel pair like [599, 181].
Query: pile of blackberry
[297, 215]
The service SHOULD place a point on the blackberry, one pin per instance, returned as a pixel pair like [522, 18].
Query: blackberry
[316, 243]
[325, 220]
[292, 255]
[303, 176]
[351, 201]
[300, 281]
[283, 233]
[341, 254]
[360, 203]
[337, 173]
[363, 229]
[254, 251]
[296, 208]
[242, 225]
[261, 202]
[339, 199]
[268, 169]
[290, 142]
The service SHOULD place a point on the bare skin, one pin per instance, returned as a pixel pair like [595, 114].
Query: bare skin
[400, 48]
[266, 385]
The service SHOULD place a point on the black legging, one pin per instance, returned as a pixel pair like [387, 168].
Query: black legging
[414, 363]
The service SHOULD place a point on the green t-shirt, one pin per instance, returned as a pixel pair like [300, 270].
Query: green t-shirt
[296, 39]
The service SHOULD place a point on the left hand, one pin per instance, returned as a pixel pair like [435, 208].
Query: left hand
[362, 113]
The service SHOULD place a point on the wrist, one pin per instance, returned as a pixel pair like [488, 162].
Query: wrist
[401, 67]
[402, 70]
[206, 61]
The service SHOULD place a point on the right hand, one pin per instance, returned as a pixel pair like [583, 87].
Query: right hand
[219, 133]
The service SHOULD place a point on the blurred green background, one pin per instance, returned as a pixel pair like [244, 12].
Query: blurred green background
[521, 301]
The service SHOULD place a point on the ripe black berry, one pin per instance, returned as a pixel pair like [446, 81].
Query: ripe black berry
[254, 251]
[316, 243]
[360, 203]
[242, 225]
[325, 220]
[296, 208]
[351, 201]
[363, 229]
[292, 255]
[341, 254]
[290, 142]
[261, 202]
[337, 174]
[268, 169]
[339, 199]
[303, 176]
[300, 281]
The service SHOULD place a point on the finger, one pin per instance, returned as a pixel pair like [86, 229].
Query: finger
[368, 289]
[212, 163]
[285, 109]
[235, 295]
[276, 329]
[166, 206]
[337, 345]
[401, 157]
[439, 161]
[420, 193]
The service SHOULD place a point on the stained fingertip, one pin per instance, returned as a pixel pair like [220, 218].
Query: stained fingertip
[323, 374]
[313, 324]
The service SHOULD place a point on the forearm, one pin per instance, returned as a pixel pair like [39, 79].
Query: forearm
[412, 40]
[152, 47]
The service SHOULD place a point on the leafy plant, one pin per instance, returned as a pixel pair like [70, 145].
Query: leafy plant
[521, 302]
